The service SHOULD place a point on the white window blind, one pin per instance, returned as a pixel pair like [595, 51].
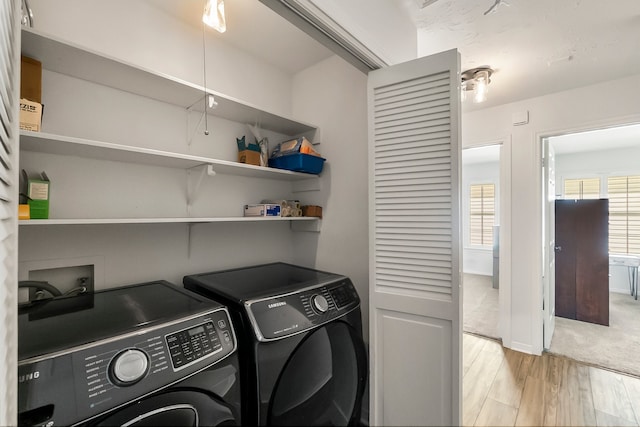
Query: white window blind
[624, 214]
[9, 133]
[582, 188]
[482, 213]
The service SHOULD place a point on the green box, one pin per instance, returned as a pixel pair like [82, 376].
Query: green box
[38, 193]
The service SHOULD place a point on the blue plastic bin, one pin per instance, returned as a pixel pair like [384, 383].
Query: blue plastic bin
[298, 162]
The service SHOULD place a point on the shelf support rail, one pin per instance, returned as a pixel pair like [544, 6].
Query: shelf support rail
[192, 189]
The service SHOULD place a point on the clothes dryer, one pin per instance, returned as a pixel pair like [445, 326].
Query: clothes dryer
[302, 356]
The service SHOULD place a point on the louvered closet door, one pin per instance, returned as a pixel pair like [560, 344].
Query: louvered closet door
[415, 256]
[9, 117]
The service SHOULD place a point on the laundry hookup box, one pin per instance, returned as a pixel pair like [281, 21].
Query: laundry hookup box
[263, 209]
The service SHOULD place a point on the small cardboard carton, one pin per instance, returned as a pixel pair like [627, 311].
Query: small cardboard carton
[30, 94]
[30, 79]
[38, 192]
[312, 210]
[249, 157]
[23, 211]
[265, 209]
[30, 115]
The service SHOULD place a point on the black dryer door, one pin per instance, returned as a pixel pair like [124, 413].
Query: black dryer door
[323, 380]
[176, 408]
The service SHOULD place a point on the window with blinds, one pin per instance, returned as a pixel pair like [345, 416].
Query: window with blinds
[582, 188]
[482, 212]
[624, 214]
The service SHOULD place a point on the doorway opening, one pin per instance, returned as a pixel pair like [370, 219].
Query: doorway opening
[597, 165]
[481, 201]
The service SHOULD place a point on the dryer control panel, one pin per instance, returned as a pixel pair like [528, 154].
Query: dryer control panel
[284, 315]
[98, 377]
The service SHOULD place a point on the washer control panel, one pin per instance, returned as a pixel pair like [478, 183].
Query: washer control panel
[98, 377]
[285, 315]
[129, 367]
[189, 345]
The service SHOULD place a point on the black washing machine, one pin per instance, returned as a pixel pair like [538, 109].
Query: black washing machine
[302, 355]
[147, 354]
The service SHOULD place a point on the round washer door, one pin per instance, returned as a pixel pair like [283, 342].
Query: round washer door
[173, 408]
[323, 380]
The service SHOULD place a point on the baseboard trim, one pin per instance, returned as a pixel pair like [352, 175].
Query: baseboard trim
[522, 347]
[478, 273]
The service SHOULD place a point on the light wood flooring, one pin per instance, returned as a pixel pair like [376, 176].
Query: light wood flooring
[502, 387]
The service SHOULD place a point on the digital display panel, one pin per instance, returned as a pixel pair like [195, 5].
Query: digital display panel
[196, 331]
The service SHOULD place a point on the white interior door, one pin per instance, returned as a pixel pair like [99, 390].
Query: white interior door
[9, 133]
[549, 243]
[414, 238]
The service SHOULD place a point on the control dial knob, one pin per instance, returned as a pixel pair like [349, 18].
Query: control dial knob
[129, 367]
[320, 303]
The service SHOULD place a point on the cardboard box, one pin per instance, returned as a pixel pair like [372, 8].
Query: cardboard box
[266, 209]
[31, 79]
[249, 157]
[311, 210]
[38, 192]
[30, 115]
[23, 211]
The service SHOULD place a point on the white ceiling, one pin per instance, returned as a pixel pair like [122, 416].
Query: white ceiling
[536, 47]
[254, 28]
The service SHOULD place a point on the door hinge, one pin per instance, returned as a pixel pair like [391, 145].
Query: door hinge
[544, 163]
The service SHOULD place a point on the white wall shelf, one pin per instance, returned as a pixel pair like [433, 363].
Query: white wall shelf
[66, 58]
[71, 146]
[194, 220]
[73, 60]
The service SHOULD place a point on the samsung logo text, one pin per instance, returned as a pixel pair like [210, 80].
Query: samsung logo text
[277, 304]
[29, 377]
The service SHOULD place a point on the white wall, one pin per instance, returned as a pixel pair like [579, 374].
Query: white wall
[333, 94]
[140, 34]
[93, 188]
[478, 259]
[601, 163]
[613, 102]
[134, 32]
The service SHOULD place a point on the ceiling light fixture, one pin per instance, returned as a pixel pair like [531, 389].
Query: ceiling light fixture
[214, 15]
[477, 80]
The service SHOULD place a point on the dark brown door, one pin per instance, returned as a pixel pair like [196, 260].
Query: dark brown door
[582, 260]
[565, 259]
